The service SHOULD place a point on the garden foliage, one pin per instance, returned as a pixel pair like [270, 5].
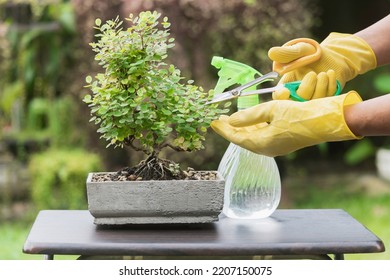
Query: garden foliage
[58, 178]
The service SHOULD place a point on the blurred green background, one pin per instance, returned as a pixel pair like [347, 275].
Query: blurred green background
[47, 145]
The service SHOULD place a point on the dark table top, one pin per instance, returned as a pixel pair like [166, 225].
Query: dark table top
[286, 232]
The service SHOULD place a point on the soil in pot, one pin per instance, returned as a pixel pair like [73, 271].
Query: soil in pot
[154, 168]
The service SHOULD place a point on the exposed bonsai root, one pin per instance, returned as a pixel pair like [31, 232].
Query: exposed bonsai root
[153, 168]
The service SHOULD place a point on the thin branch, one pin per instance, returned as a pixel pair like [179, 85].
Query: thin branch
[129, 141]
[177, 149]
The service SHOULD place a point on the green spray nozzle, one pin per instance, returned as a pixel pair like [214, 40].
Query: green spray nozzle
[235, 73]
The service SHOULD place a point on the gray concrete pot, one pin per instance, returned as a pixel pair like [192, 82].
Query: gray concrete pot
[155, 202]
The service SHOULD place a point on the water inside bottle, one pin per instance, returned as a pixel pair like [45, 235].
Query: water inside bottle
[253, 184]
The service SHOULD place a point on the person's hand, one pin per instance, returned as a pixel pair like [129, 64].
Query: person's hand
[313, 86]
[279, 127]
[347, 55]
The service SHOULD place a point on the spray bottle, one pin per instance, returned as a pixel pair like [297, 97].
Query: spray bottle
[253, 186]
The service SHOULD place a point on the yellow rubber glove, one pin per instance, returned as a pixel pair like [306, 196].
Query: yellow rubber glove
[313, 86]
[348, 55]
[279, 127]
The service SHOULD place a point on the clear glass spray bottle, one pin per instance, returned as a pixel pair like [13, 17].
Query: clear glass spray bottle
[253, 185]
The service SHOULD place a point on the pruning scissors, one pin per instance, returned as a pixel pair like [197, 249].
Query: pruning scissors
[278, 69]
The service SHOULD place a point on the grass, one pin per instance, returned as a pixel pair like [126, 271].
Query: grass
[366, 198]
[12, 237]
[372, 212]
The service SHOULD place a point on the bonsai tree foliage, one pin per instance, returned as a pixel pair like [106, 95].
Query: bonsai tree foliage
[141, 101]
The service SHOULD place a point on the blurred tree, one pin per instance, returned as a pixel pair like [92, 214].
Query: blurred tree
[40, 35]
[37, 55]
[37, 58]
[242, 30]
[348, 16]
[5, 53]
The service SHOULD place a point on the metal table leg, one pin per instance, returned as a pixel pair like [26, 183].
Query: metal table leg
[339, 256]
[48, 257]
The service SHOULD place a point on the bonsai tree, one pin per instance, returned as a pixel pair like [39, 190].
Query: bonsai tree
[141, 101]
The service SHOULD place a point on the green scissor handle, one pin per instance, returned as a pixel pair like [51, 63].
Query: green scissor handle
[293, 87]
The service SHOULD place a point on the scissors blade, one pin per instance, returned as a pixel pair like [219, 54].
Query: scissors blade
[238, 91]
[227, 95]
[263, 90]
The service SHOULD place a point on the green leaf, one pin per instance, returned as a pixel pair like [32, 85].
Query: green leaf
[87, 99]
[190, 129]
[203, 129]
[102, 110]
[166, 112]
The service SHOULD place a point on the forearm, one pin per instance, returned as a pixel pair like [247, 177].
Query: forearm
[370, 117]
[378, 37]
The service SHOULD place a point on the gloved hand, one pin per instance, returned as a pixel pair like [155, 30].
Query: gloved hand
[279, 127]
[312, 86]
[348, 55]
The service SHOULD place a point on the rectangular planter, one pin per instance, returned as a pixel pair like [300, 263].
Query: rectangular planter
[155, 202]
